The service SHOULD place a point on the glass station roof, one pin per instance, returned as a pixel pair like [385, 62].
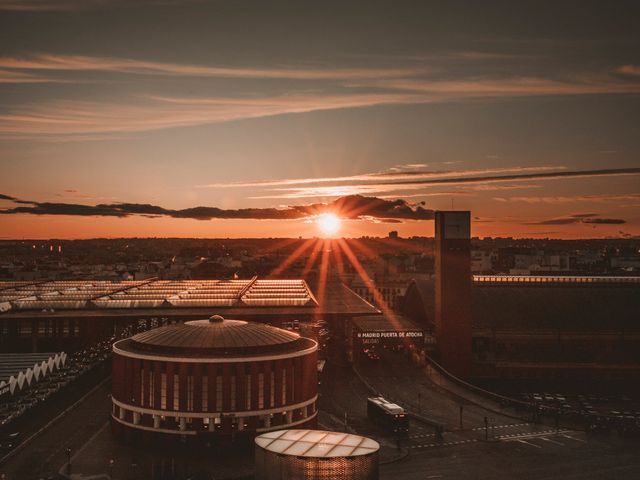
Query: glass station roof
[74, 295]
[316, 443]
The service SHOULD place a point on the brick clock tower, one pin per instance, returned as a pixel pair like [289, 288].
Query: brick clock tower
[453, 291]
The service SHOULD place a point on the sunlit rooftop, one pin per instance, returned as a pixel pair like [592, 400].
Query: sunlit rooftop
[154, 293]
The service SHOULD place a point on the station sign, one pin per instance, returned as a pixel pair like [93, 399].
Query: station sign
[391, 334]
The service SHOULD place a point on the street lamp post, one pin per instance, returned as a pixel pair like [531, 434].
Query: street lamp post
[486, 428]
[68, 460]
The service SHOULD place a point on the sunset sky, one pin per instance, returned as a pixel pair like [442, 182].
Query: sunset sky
[121, 117]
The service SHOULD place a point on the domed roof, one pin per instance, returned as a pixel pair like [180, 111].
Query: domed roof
[217, 336]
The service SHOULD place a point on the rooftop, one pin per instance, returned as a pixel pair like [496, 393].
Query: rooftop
[187, 298]
[216, 336]
[553, 279]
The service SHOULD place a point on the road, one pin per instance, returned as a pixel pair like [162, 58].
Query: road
[516, 448]
[44, 455]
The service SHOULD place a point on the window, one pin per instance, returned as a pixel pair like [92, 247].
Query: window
[163, 391]
[233, 393]
[176, 392]
[284, 386]
[152, 392]
[218, 393]
[293, 381]
[205, 393]
[260, 390]
[142, 375]
[190, 393]
[272, 390]
[248, 402]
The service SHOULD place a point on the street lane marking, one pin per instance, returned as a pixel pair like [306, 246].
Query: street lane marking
[506, 425]
[528, 443]
[542, 433]
[547, 439]
[446, 444]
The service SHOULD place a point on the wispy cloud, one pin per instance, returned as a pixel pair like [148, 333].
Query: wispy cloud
[341, 88]
[387, 175]
[632, 70]
[597, 198]
[351, 207]
[480, 182]
[82, 118]
[506, 86]
[69, 5]
[9, 76]
[80, 63]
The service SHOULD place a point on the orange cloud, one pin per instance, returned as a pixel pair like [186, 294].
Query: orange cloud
[77, 63]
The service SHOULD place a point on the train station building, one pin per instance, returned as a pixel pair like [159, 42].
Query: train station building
[545, 327]
[70, 315]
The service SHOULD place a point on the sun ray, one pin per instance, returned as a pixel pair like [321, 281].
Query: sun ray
[284, 243]
[293, 256]
[338, 260]
[364, 249]
[370, 284]
[312, 258]
[324, 270]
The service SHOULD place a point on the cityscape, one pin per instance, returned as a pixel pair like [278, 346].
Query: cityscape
[319, 240]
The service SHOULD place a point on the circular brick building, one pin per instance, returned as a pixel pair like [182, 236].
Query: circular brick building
[213, 379]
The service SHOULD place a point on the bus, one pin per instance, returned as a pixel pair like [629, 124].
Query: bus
[388, 415]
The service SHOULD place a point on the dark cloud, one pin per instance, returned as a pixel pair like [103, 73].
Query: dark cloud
[584, 215]
[7, 197]
[605, 221]
[352, 207]
[556, 221]
[580, 218]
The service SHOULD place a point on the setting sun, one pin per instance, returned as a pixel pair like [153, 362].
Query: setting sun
[329, 224]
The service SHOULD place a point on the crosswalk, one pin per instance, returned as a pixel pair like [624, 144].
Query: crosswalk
[520, 435]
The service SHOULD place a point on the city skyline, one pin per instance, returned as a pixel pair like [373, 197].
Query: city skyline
[212, 119]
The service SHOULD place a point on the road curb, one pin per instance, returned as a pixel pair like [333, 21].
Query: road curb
[402, 456]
